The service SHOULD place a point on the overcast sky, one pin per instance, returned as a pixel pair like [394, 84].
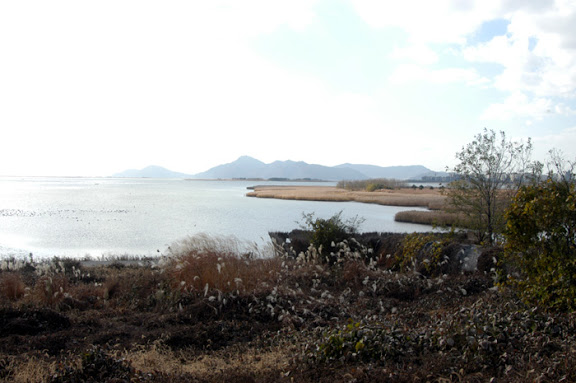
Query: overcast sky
[97, 87]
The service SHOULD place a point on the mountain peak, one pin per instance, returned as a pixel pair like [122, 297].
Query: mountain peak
[152, 171]
[248, 159]
[248, 167]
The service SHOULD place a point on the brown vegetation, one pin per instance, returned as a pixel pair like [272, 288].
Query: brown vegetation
[396, 197]
[11, 286]
[208, 268]
[429, 217]
[371, 184]
[432, 199]
[400, 311]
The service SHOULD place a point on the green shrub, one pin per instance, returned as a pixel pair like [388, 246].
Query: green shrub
[361, 343]
[423, 252]
[541, 242]
[326, 234]
[373, 187]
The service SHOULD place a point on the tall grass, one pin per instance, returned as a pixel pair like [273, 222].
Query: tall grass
[12, 287]
[327, 193]
[306, 193]
[202, 263]
[434, 218]
[413, 200]
[50, 290]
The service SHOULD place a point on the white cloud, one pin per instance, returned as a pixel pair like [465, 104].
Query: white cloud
[415, 73]
[440, 21]
[93, 87]
[565, 141]
[421, 54]
[519, 105]
[538, 54]
[547, 69]
[564, 109]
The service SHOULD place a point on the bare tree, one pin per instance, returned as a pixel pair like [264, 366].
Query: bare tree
[560, 168]
[491, 169]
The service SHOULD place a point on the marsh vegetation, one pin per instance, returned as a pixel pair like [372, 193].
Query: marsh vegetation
[325, 303]
[380, 307]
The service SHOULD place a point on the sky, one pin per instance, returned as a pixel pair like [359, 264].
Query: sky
[92, 88]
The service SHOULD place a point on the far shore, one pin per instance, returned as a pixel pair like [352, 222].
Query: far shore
[409, 197]
[432, 199]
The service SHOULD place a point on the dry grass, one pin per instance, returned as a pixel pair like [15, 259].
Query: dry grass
[157, 358]
[399, 197]
[440, 204]
[434, 218]
[201, 263]
[12, 287]
[87, 291]
[315, 193]
[134, 287]
[29, 370]
[50, 290]
[202, 271]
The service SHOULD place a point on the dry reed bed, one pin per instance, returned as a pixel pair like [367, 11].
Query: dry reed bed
[434, 218]
[400, 197]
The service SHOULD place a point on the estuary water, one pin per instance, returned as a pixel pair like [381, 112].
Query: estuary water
[76, 217]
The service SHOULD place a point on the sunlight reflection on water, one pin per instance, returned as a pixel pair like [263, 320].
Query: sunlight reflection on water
[85, 216]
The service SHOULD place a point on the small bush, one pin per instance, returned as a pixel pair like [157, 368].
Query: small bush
[326, 234]
[426, 253]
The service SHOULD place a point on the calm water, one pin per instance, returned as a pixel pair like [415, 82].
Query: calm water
[107, 216]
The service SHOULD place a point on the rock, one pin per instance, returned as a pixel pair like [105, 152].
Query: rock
[468, 257]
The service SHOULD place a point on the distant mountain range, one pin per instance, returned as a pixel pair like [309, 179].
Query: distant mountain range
[151, 172]
[248, 167]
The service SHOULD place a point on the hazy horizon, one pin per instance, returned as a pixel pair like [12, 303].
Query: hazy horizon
[90, 89]
[191, 174]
